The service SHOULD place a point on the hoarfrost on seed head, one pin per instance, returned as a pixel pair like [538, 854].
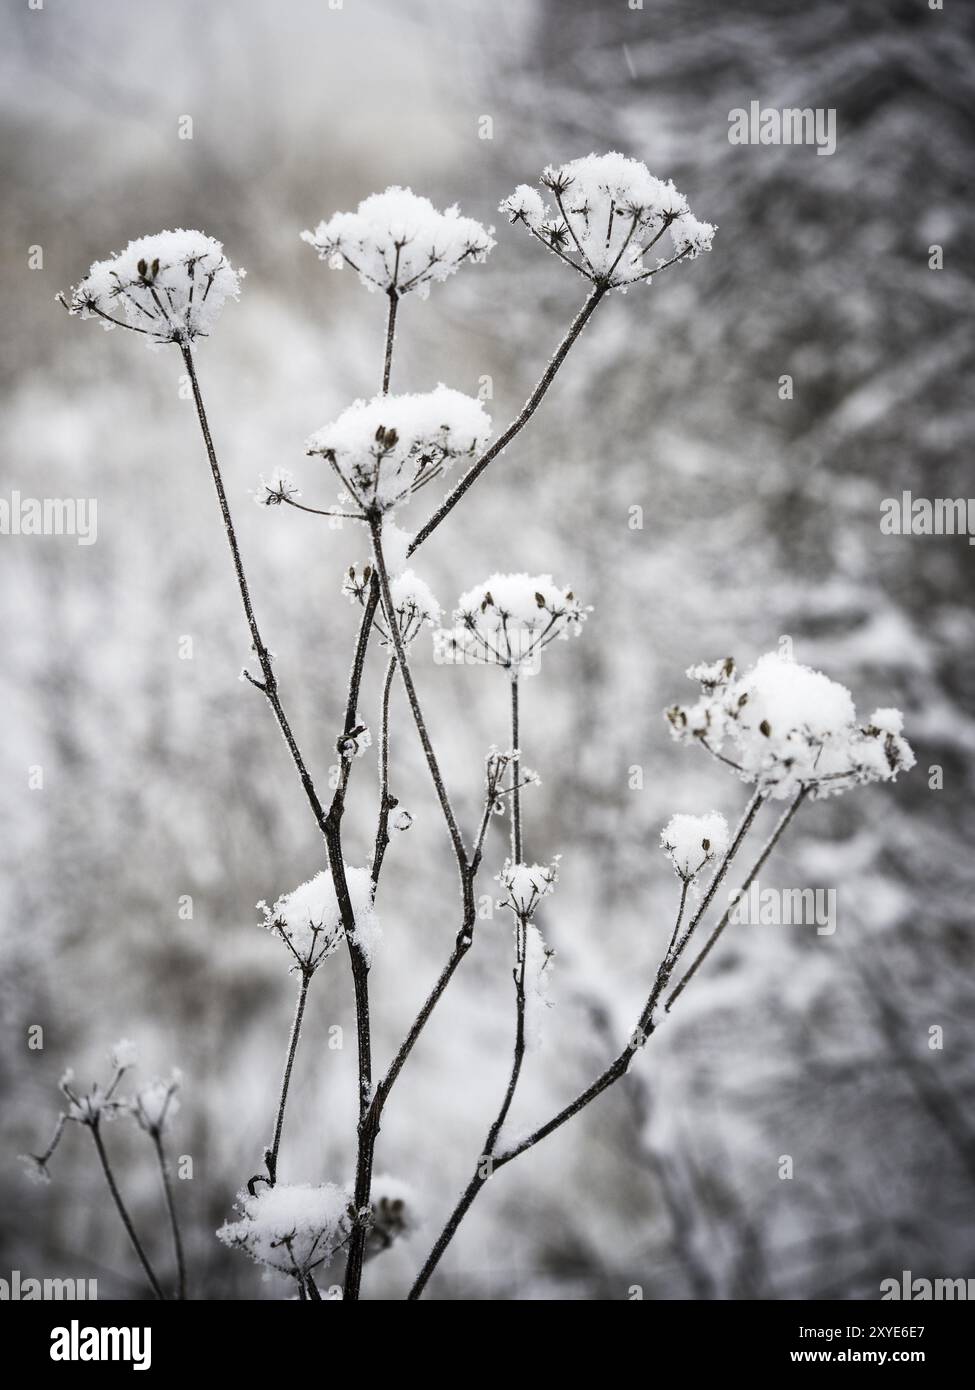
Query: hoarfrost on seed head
[508, 621]
[385, 449]
[308, 919]
[291, 1227]
[691, 842]
[784, 726]
[527, 884]
[607, 212]
[170, 287]
[397, 242]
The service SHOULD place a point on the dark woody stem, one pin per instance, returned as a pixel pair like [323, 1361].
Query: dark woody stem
[596, 294]
[123, 1212]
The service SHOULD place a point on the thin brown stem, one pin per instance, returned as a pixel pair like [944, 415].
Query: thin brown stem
[271, 1155]
[516, 846]
[617, 1068]
[593, 299]
[123, 1212]
[269, 684]
[171, 1211]
[390, 335]
[753, 873]
[407, 677]
[382, 829]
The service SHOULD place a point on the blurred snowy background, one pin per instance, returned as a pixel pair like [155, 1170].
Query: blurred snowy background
[165, 777]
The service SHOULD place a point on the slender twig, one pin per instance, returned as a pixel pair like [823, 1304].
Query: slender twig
[271, 1156]
[385, 805]
[123, 1212]
[390, 333]
[407, 677]
[597, 292]
[171, 1210]
[753, 873]
[329, 823]
[617, 1068]
[516, 849]
[269, 684]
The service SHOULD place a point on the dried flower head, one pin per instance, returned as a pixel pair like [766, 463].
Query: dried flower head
[277, 489]
[169, 287]
[783, 727]
[608, 212]
[397, 242]
[386, 449]
[155, 1105]
[395, 1213]
[309, 922]
[693, 842]
[292, 1227]
[526, 884]
[508, 621]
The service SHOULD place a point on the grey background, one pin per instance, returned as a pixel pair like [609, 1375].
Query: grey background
[165, 777]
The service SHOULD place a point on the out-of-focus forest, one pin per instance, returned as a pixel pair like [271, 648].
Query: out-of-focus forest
[164, 777]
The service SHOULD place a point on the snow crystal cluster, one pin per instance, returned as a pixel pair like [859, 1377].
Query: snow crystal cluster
[397, 242]
[387, 448]
[608, 212]
[293, 1228]
[170, 286]
[692, 842]
[508, 620]
[783, 727]
[526, 885]
[309, 922]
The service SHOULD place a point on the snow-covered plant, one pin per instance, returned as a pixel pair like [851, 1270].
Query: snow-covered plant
[397, 242]
[526, 884]
[789, 732]
[386, 449]
[693, 842]
[509, 620]
[152, 1106]
[293, 1228]
[788, 727]
[169, 287]
[309, 920]
[414, 604]
[609, 212]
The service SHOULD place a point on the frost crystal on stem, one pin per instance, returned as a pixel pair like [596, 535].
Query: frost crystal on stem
[397, 241]
[170, 287]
